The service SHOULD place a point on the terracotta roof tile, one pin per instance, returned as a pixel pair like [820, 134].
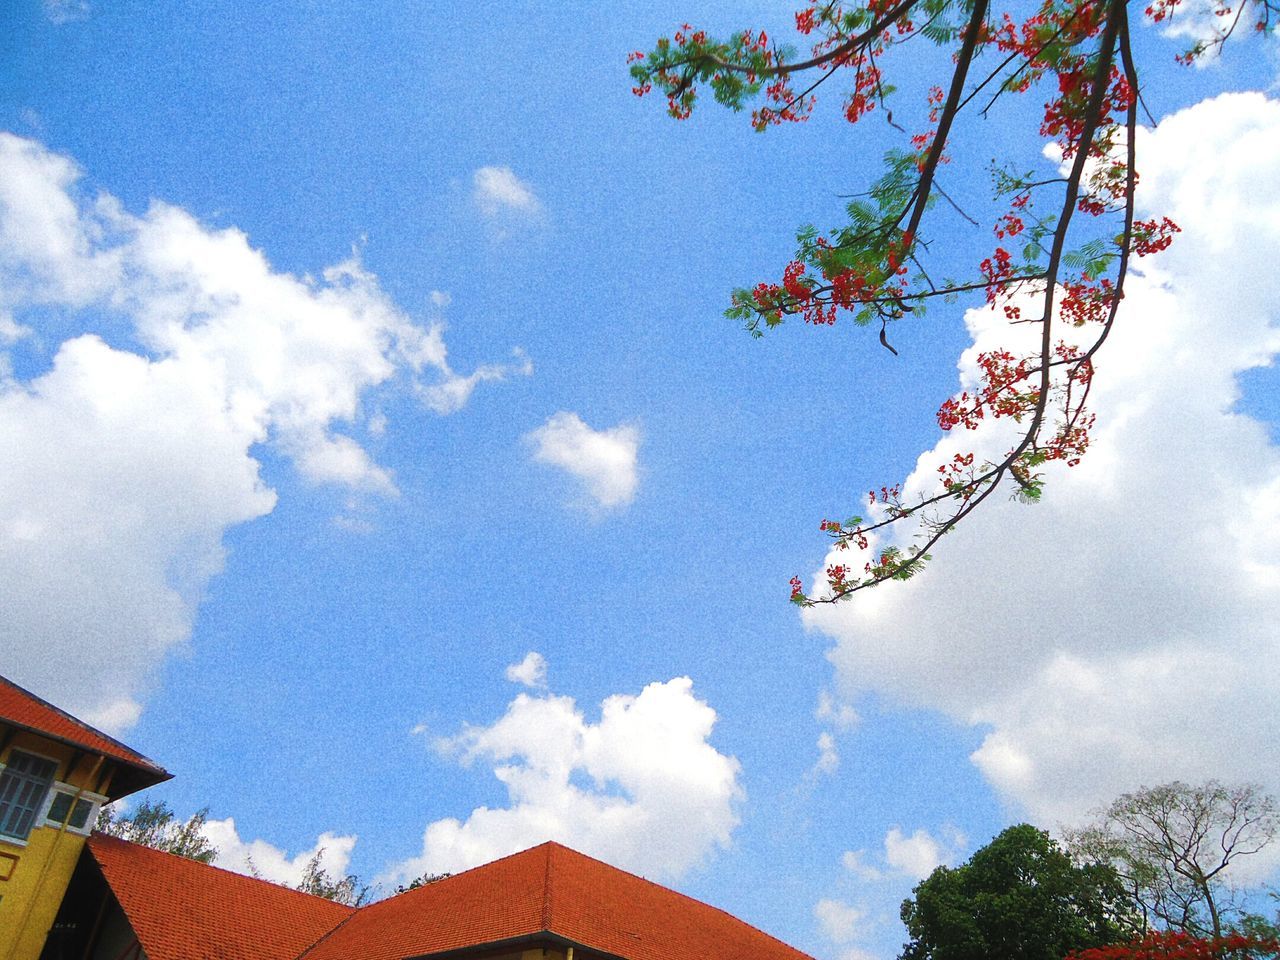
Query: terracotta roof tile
[494, 902]
[184, 910]
[24, 709]
[607, 909]
[549, 889]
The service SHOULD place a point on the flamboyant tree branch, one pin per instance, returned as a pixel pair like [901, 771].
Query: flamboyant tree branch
[977, 19]
[863, 268]
[868, 35]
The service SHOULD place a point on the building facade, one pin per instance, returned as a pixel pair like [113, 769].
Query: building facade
[55, 773]
[67, 893]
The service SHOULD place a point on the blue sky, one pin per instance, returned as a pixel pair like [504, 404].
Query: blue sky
[287, 533]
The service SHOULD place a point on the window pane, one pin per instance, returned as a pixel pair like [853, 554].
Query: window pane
[80, 816]
[23, 784]
[59, 808]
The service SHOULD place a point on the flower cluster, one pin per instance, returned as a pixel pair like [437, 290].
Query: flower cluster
[997, 270]
[1177, 945]
[1152, 236]
[1002, 375]
[958, 475]
[1084, 301]
[1161, 10]
[838, 578]
[1010, 225]
[845, 533]
[788, 107]
[1071, 254]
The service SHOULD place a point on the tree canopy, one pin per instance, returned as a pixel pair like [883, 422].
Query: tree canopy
[1021, 897]
[347, 888]
[1064, 237]
[155, 825]
[1173, 845]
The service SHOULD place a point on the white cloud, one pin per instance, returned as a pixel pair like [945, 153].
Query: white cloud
[452, 393]
[11, 331]
[855, 861]
[604, 461]
[66, 11]
[917, 855]
[642, 788]
[262, 859]
[127, 460]
[1199, 21]
[914, 856]
[1122, 632]
[504, 200]
[828, 756]
[840, 922]
[842, 716]
[531, 671]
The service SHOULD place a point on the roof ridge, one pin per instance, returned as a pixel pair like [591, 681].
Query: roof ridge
[683, 896]
[450, 877]
[98, 837]
[331, 931]
[78, 722]
[546, 887]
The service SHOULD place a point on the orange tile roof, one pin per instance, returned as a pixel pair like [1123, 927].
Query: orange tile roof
[23, 708]
[184, 910]
[555, 892]
[610, 910]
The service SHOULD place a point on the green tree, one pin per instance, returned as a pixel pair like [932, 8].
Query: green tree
[421, 881]
[155, 825]
[345, 889]
[1257, 925]
[1173, 844]
[1021, 897]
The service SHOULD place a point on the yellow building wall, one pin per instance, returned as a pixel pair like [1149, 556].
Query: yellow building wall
[34, 875]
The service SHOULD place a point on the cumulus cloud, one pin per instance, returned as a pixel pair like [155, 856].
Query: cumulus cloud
[915, 855]
[828, 756]
[262, 859]
[1200, 21]
[843, 923]
[855, 861]
[504, 200]
[642, 787]
[605, 462]
[130, 451]
[66, 11]
[831, 710]
[531, 671]
[918, 854]
[840, 922]
[453, 391]
[1123, 631]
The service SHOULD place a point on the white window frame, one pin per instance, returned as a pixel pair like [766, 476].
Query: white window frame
[96, 800]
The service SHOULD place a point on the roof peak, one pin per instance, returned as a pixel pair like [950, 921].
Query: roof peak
[87, 727]
[21, 708]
